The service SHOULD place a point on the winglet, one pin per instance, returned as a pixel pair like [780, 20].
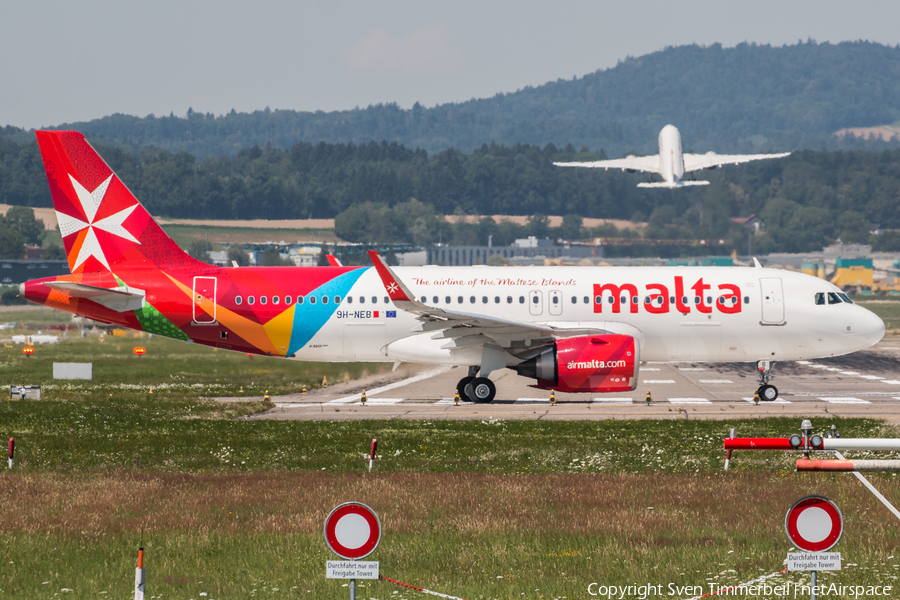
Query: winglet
[333, 260]
[394, 287]
[756, 263]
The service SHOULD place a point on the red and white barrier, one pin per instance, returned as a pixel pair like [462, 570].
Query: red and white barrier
[805, 464]
[12, 451]
[139, 579]
[423, 590]
[372, 454]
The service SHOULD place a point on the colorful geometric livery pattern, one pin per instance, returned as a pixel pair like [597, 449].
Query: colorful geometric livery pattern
[113, 244]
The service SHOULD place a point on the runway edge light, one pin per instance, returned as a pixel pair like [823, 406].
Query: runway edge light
[12, 451]
[140, 580]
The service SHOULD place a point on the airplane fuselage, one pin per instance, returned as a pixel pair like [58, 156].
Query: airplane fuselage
[671, 157]
[342, 314]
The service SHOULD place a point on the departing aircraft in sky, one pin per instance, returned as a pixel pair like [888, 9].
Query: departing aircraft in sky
[671, 163]
[571, 329]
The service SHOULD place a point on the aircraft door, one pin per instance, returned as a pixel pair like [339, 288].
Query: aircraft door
[536, 302]
[772, 296]
[556, 302]
[204, 299]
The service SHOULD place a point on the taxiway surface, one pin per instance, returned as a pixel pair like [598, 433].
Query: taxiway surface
[864, 384]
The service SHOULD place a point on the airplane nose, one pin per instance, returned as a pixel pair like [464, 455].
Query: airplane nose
[22, 291]
[871, 327]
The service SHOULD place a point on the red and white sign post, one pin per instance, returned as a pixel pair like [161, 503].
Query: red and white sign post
[814, 524]
[352, 531]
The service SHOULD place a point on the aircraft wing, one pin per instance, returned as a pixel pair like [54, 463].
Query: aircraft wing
[117, 299]
[465, 329]
[695, 162]
[650, 164]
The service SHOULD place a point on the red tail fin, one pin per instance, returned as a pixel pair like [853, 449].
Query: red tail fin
[103, 226]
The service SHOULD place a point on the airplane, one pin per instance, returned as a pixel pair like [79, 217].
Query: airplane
[671, 163]
[570, 329]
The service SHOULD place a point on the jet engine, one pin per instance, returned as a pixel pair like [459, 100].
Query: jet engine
[590, 363]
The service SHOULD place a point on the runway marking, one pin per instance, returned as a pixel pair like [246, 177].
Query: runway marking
[843, 400]
[531, 401]
[659, 381]
[688, 400]
[613, 400]
[871, 377]
[391, 386]
[450, 401]
[381, 401]
[716, 381]
[803, 362]
[648, 369]
[849, 373]
[890, 381]
[691, 369]
[776, 401]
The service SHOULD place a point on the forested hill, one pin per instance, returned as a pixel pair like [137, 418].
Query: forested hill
[743, 99]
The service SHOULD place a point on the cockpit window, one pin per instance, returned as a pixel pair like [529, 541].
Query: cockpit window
[820, 298]
[833, 298]
[846, 298]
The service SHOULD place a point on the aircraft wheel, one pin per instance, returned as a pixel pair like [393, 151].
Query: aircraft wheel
[768, 393]
[461, 389]
[481, 389]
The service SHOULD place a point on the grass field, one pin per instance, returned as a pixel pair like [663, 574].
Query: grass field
[231, 508]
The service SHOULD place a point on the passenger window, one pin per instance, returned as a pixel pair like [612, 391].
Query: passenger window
[671, 299]
[423, 299]
[833, 298]
[521, 299]
[251, 300]
[447, 299]
[484, 299]
[472, 299]
[349, 299]
[574, 300]
[623, 300]
[337, 299]
[387, 300]
[845, 298]
[509, 299]
[696, 299]
[287, 299]
[362, 299]
[634, 300]
[312, 299]
[496, 299]
[435, 299]
[276, 299]
[374, 299]
[746, 299]
[554, 299]
[535, 300]
[238, 300]
[324, 299]
[299, 299]
[587, 300]
[263, 299]
[459, 299]
[598, 300]
[820, 298]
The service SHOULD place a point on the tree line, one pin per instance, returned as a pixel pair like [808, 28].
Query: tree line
[387, 192]
[749, 98]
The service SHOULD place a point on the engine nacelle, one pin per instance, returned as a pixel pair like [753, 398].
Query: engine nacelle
[590, 363]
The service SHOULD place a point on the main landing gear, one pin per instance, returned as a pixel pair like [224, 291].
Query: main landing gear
[476, 389]
[766, 391]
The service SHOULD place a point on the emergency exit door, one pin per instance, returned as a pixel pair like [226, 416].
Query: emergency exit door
[772, 300]
[204, 299]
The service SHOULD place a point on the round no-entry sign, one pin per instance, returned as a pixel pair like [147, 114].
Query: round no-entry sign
[352, 530]
[814, 524]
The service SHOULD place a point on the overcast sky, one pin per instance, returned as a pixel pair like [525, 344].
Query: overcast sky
[73, 61]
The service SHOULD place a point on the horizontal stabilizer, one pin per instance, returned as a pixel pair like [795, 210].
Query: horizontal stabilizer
[117, 299]
[671, 185]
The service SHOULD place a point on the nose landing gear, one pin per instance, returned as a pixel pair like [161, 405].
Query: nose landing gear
[766, 391]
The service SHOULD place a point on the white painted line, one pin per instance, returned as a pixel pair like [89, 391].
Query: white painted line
[688, 400]
[890, 381]
[803, 362]
[659, 381]
[648, 369]
[382, 401]
[450, 401]
[691, 369]
[613, 400]
[844, 400]
[849, 373]
[532, 400]
[871, 377]
[776, 401]
[391, 386]
[716, 381]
